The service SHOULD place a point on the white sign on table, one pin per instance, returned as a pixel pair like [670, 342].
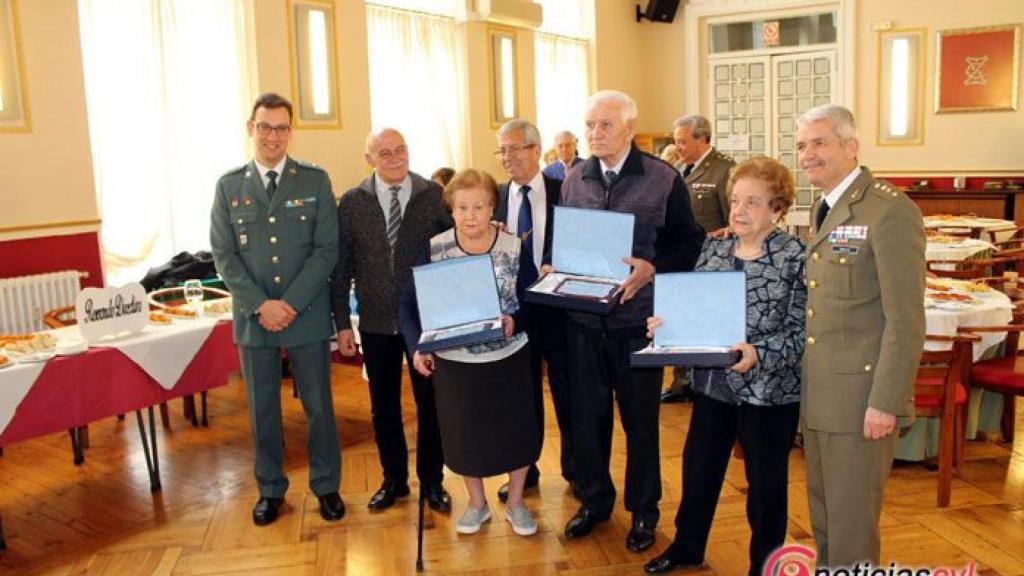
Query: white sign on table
[111, 311]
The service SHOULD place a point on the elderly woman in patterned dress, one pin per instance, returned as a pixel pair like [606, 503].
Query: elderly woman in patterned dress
[757, 400]
[485, 401]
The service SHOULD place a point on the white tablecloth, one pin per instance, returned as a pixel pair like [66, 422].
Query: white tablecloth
[990, 309]
[961, 250]
[164, 352]
[961, 222]
[15, 382]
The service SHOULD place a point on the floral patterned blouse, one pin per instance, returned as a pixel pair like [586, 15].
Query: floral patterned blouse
[776, 299]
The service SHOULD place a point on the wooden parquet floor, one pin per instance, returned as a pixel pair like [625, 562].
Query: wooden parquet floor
[100, 518]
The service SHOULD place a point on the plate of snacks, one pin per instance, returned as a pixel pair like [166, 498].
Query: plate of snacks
[159, 318]
[218, 307]
[180, 312]
[38, 347]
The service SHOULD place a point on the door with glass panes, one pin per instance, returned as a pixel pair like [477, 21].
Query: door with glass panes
[755, 101]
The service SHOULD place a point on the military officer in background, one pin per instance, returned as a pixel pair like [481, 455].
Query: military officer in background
[865, 332]
[706, 174]
[274, 235]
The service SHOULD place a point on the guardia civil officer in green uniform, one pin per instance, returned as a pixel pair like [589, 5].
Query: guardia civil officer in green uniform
[706, 175]
[274, 233]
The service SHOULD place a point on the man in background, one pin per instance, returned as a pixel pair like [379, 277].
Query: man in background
[565, 148]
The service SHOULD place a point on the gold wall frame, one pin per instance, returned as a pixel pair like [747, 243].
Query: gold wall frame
[313, 63]
[502, 74]
[901, 91]
[14, 107]
[977, 69]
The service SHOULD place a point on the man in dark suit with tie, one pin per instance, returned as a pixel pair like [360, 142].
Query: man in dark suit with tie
[526, 206]
[384, 224]
[565, 148]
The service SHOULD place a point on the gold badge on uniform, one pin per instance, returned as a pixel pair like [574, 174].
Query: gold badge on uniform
[293, 171]
[243, 239]
[248, 200]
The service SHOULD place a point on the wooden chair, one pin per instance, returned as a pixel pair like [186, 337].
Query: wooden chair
[939, 392]
[1005, 373]
[1016, 233]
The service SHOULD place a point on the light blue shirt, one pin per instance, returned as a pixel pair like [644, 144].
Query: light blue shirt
[384, 194]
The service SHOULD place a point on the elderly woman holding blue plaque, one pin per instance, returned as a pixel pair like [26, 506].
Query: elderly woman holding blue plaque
[485, 400]
[756, 400]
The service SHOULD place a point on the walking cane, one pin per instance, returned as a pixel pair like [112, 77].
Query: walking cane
[419, 536]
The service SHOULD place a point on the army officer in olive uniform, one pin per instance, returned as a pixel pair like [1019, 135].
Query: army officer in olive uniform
[274, 235]
[705, 172]
[865, 333]
[706, 175]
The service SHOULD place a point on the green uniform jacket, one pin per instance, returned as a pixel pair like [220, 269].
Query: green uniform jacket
[865, 308]
[707, 185]
[282, 248]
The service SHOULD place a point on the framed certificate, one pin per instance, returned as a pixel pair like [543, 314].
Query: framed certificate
[458, 303]
[704, 314]
[587, 250]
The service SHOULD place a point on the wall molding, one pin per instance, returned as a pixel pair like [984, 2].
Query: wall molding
[51, 225]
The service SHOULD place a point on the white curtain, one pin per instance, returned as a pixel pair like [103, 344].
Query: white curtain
[563, 85]
[416, 85]
[167, 91]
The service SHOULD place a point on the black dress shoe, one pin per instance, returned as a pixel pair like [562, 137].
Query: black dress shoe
[385, 496]
[437, 498]
[582, 523]
[673, 397]
[331, 507]
[529, 486]
[667, 562]
[641, 536]
[265, 510]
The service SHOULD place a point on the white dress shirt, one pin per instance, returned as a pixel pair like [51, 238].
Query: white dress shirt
[263, 171]
[384, 194]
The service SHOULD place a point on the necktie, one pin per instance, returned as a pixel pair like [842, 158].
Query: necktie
[609, 177]
[394, 217]
[819, 218]
[524, 226]
[687, 170]
[271, 183]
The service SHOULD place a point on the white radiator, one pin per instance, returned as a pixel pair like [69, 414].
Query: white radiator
[25, 299]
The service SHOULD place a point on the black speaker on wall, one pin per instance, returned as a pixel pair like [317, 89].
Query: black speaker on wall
[658, 11]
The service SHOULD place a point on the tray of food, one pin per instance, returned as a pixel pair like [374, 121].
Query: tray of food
[37, 347]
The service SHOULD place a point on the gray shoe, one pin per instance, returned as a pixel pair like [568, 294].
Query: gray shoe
[472, 519]
[521, 520]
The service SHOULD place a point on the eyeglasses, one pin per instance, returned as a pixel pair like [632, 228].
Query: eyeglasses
[265, 129]
[512, 150]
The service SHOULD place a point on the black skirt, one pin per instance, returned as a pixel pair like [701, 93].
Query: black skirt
[486, 414]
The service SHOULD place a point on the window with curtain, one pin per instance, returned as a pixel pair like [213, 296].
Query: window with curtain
[166, 118]
[562, 68]
[416, 81]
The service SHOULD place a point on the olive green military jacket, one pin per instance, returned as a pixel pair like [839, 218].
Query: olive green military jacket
[707, 185]
[280, 248]
[865, 308]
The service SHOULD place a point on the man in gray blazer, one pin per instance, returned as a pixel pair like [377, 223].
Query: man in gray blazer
[384, 224]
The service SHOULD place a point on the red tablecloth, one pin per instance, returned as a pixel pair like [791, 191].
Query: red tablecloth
[72, 391]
